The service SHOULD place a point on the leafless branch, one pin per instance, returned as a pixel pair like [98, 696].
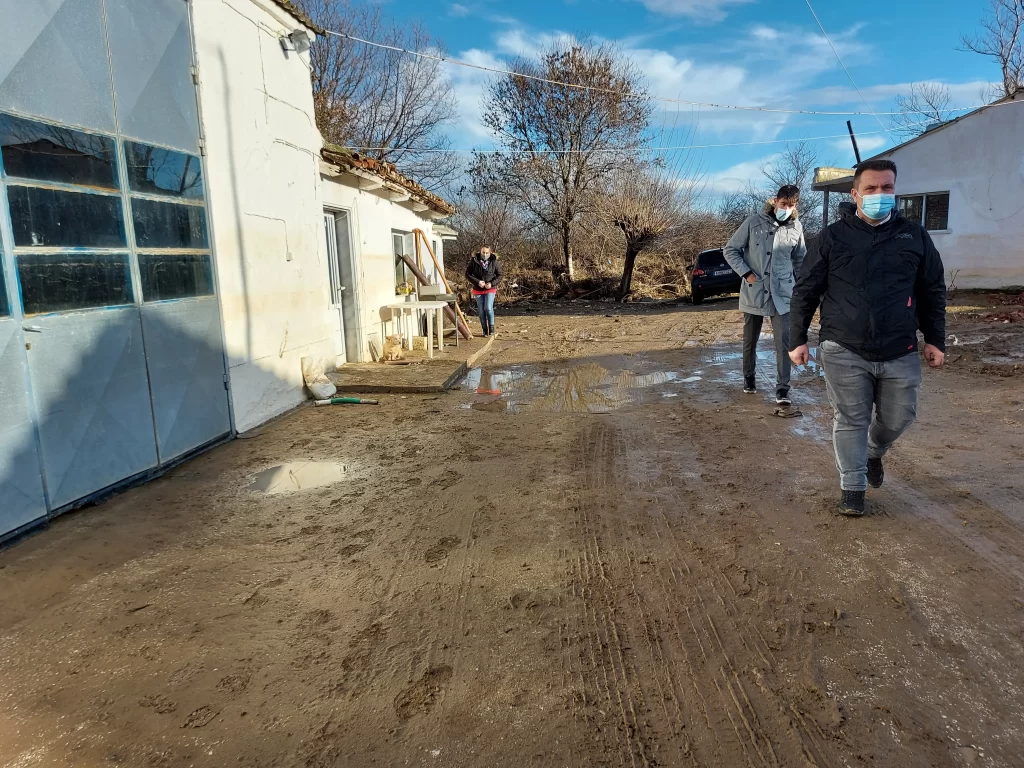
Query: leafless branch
[1002, 40]
[394, 105]
[927, 103]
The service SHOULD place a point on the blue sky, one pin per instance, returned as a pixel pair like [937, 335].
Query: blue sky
[749, 52]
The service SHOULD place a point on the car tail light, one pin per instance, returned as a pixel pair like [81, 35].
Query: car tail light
[698, 272]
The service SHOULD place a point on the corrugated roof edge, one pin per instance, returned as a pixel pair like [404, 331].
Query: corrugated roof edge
[301, 15]
[344, 158]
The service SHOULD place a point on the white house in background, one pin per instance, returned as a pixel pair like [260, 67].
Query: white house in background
[163, 264]
[370, 214]
[964, 181]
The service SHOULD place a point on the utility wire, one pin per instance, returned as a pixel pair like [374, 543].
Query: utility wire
[625, 94]
[854, 82]
[622, 150]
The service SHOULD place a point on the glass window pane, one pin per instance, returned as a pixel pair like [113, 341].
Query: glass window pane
[711, 259]
[60, 282]
[937, 212]
[5, 304]
[44, 152]
[175, 276]
[912, 207]
[55, 218]
[168, 225]
[158, 171]
[151, 60]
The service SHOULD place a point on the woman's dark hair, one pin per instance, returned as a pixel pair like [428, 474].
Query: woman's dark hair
[873, 165]
[788, 192]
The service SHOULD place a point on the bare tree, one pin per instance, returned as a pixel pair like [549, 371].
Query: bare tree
[489, 219]
[391, 105]
[646, 208]
[1002, 39]
[927, 103]
[560, 141]
[795, 165]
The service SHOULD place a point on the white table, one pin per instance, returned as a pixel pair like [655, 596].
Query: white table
[435, 316]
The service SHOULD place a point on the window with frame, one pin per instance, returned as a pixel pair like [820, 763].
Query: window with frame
[169, 222]
[67, 217]
[930, 210]
[404, 277]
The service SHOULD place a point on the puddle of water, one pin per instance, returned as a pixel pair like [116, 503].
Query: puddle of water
[581, 387]
[765, 357]
[814, 366]
[297, 476]
[589, 387]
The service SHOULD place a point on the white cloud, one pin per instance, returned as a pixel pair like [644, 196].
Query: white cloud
[968, 94]
[708, 10]
[516, 42]
[737, 177]
[457, 9]
[868, 144]
[469, 86]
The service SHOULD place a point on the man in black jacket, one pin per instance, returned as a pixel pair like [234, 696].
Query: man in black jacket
[878, 280]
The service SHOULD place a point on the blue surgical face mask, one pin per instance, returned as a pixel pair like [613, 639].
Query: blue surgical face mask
[877, 206]
[783, 213]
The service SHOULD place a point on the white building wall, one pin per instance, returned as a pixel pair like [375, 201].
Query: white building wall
[980, 162]
[375, 218]
[265, 203]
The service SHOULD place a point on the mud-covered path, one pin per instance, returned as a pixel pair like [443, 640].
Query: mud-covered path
[621, 560]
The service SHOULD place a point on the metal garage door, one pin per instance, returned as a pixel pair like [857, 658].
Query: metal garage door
[112, 300]
[21, 487]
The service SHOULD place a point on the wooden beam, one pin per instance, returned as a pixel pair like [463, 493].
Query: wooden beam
[368, 185]
[460, 324]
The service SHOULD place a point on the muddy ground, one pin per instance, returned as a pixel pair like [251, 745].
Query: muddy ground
[620, 560]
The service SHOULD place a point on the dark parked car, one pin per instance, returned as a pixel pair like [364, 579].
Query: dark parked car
[711, 275]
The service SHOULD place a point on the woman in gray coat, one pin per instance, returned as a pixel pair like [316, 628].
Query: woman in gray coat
[767, 251]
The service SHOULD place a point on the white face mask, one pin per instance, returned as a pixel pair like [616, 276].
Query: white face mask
[782, 214]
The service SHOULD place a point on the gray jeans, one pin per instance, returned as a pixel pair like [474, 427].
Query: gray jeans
[751, 332]
[874, 404]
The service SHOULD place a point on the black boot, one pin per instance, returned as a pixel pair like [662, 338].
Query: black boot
[876, 473]
[852, 504]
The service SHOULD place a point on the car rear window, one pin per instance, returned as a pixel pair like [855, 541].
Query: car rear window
[711, 259]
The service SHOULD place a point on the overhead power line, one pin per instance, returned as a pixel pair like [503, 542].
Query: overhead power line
[625, 94]
[841, 64]
[617, 150]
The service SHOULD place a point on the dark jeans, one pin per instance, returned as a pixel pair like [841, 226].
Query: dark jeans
[751, 331]
[874, 404]
[485, 311]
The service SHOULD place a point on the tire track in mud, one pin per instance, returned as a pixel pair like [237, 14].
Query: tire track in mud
[663, 626]
[603, 652]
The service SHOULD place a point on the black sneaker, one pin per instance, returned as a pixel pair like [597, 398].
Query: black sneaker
[876, 473]
[784, 401]
[750, 385]
[852, 504]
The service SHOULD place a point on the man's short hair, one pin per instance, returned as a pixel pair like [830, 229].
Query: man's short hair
[788, 192]
[873, 165]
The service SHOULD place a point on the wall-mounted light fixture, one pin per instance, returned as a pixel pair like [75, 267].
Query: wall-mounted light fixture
[297, 41]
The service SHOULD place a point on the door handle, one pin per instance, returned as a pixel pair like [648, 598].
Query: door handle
[32, 328]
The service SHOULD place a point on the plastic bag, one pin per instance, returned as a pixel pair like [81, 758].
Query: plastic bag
[315, 378]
